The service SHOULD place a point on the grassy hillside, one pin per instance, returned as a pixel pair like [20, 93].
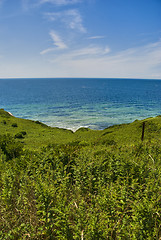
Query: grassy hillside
[88, 185]
[36, 134]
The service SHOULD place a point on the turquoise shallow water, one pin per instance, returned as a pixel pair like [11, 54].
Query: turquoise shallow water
[74, 103]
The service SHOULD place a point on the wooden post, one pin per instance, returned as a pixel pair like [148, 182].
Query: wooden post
[143, 129]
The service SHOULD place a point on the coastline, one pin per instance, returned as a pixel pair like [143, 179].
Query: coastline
[75, 103]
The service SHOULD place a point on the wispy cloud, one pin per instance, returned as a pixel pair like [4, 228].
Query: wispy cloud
[74, 20]
[140, 62]
[57, 41]
[90, 51]
[71, 18]
[96, 37]
[82, 53]
[48, 50]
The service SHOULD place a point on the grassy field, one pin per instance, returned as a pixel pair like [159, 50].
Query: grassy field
[87, 185]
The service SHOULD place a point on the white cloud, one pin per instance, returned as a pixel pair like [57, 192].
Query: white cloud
[58, 42]
[76, 21]
[96, 37]
[71, 18]
[141, 62]
[47, 51]
[88, 52]
[92, 61]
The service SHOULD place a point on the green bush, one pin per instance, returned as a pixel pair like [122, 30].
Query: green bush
[38, 122]
[4, 121]
[14, 125]
[10, 147]
[24, 133]
[19, 135]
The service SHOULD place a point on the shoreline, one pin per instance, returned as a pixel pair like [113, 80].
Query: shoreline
[85, 127]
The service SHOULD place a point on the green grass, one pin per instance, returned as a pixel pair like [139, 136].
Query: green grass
[39, 135]
[90, 184]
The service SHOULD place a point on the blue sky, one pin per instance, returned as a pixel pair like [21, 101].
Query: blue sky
[80, 38]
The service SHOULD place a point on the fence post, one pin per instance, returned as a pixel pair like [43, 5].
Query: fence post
[143, 129]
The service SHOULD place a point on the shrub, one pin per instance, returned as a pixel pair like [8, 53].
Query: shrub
[23, 132]
[10, 147]
[19, 135]
[14, 125]
[4, 121]
[38, 122]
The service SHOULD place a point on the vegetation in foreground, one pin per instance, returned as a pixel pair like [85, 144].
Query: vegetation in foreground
[87, 185]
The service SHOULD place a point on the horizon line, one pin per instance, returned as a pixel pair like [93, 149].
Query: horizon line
[7, 78]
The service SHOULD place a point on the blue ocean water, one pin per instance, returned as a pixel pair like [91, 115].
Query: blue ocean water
[74, 103]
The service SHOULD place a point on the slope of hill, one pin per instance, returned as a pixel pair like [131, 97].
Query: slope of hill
[90, 184]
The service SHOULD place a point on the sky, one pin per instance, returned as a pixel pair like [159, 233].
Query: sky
[80, 38]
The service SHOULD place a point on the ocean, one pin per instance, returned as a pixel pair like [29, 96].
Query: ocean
[74, 103]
